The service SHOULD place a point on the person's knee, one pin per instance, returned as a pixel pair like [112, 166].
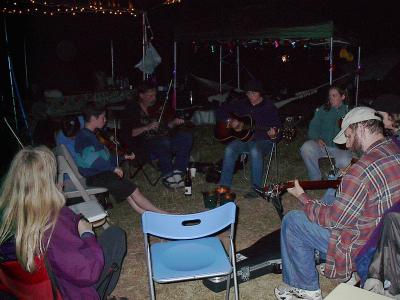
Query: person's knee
[308, 149]
[255, 153]
[292, 219]
[230, 151]
[116, 236]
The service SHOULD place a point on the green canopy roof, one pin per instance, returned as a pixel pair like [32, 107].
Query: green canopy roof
[316, 31]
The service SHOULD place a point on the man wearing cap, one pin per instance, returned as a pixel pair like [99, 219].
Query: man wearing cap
[266, 119]
[341, 229]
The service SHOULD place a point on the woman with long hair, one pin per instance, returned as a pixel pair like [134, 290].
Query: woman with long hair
[36, 223]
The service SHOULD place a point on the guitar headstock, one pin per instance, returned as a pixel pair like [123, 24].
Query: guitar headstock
[274, 190]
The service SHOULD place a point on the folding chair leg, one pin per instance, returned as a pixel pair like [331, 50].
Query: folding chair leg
[149, 180]
[273, 154]
[152, 183]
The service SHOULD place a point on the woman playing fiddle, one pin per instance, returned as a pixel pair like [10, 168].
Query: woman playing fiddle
[146, 128]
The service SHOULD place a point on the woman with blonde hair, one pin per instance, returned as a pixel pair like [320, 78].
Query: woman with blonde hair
[36, 222]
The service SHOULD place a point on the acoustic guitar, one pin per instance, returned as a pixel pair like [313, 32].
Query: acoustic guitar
[224, 134]
[275, 190]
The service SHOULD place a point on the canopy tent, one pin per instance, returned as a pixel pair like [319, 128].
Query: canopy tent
[315, 35]
[317, 31]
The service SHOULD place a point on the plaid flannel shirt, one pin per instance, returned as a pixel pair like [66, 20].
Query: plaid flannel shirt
[371, 186]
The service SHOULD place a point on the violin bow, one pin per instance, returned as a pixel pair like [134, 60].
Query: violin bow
[12, 131]
[116, 142]
[165, 101]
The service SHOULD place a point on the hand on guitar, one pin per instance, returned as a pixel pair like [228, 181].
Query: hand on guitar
[297, 190]
[234, 124]
[273, 133]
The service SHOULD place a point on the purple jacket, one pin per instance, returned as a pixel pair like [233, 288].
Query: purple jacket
[76, 263]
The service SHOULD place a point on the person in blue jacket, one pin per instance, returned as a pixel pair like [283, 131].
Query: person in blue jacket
[100, 168]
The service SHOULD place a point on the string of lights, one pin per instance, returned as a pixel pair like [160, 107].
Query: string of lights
[51, 8]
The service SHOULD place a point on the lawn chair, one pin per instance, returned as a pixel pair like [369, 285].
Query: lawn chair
[192, 253]
[138, 166]
[76, 186]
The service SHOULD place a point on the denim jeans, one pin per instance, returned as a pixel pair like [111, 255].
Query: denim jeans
[311, 152]
[299, 240]
[164, 148]
[256, 150]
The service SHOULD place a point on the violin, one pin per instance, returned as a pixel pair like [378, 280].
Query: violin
[112, 144]
[155, 112]
[160, 112]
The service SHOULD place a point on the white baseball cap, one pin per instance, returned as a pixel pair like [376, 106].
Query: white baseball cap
[357, 114]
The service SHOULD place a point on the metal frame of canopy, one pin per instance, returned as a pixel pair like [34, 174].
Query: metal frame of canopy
[320, 31]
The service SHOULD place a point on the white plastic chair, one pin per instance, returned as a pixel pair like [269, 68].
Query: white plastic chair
[192, 252]
[76, 186]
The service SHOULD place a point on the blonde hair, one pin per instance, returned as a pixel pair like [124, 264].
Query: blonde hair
[30, 202]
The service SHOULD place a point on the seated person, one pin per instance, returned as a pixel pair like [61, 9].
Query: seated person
[264, 115]
[321, 131]
[392, 129]
[100, 168]
[340, 230]
[36, 222]
[142, 130]
[70, 125]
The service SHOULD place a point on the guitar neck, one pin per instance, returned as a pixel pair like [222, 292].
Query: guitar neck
[314, 184]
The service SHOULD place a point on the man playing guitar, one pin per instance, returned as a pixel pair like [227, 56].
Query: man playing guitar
[257, 140]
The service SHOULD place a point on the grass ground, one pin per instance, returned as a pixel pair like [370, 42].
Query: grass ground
[256, 218]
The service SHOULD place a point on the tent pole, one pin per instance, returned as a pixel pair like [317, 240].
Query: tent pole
[220, 69]
[144, 42]
[331, 62]
[358, 73]
[238, 66]
[175, 66]
[26, 66]
[112, 61]
[10, 74]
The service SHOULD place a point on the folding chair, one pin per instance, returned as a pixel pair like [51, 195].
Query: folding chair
[76, 186]
[192, 252]
[140, 167]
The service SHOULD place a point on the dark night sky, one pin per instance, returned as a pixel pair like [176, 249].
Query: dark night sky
[86, 39]
[371, 24]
